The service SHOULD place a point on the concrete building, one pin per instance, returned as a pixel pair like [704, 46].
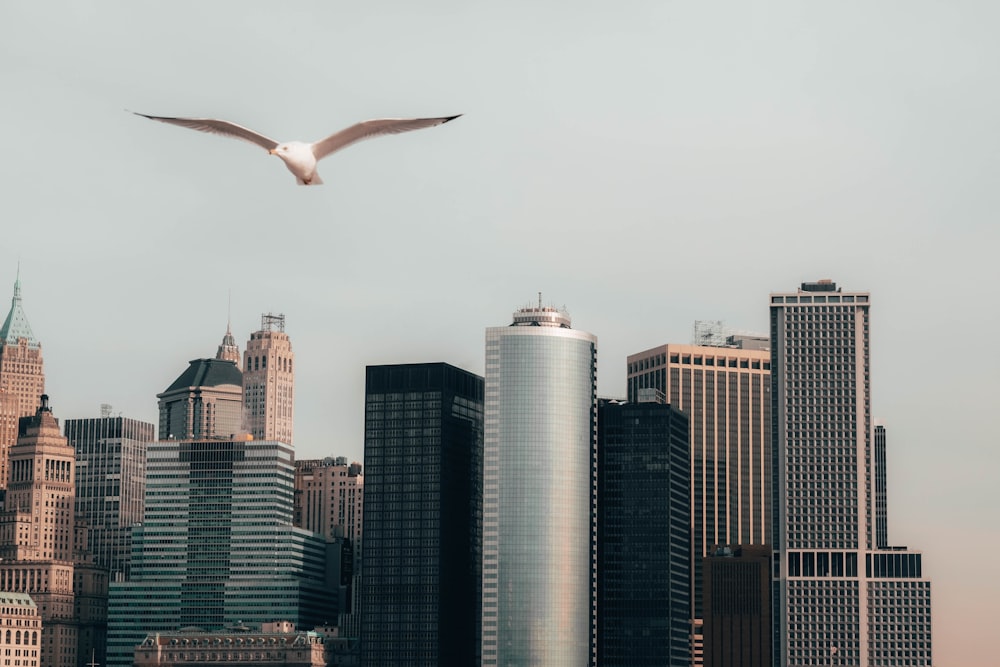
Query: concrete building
[737, 606]
[217, 546]
[839, 598]
[276, 644]
[269, 381]
[205, 401]
[643, 535]
[329, 499]
[538, 503]
[22, 375]
[725, 391]
[43, 545]
[20, 630]
[421, 568]
[110, 484]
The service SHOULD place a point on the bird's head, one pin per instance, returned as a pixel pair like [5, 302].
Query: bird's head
[279, 150]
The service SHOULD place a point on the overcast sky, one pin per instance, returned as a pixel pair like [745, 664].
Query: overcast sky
[645, 164]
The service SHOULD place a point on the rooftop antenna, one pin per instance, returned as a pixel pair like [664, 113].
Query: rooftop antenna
[229, 312]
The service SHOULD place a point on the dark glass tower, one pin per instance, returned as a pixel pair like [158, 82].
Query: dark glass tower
[643, 535]
[421, 564]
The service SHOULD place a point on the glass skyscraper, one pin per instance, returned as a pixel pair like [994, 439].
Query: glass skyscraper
[540, 449]
[422, 560]
[218, 547]
[840, 599]
[643, 535]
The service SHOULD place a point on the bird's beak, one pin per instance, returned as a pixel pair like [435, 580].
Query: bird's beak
[271, 152]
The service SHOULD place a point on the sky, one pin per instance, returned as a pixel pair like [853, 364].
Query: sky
[644, 164]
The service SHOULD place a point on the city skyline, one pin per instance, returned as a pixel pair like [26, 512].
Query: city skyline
[754, 148]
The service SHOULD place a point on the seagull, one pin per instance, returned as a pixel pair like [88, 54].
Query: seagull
[299, 156]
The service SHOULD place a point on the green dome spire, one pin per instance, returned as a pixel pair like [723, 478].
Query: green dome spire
[16, 325]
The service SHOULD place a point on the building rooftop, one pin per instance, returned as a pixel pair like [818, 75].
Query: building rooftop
[208, 373]
[16, 325]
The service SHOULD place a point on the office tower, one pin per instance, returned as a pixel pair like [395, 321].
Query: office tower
[839, 600]
[725, 391]
[217, 546]
[269, 381]
[737, 604]
[329, 500]
[22, 376]
[643, 535]
[110, 484]
[540, 449]
[205, 401]
[421, 567]
[42, 550]
[880, 490]
[21, 370]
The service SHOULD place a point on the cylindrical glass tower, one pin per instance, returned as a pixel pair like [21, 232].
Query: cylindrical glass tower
[539, 450]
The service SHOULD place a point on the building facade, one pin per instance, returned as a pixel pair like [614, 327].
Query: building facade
[205, 401]
[110, 484]
[269, 381]
[725, 391]
[421, 570]
[538, 503]
[217, 546]
[643, 535]
[20, 630]
[274, 645]
[839, 599]
[329, 499]
[737, 606]
[43, 544]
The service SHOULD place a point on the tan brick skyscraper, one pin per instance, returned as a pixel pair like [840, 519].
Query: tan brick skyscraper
[22, 377]
[269, 381]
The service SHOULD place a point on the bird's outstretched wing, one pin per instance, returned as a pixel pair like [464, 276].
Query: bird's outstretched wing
[215, 126]
[372, 128]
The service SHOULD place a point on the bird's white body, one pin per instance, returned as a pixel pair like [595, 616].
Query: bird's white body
[298, 156]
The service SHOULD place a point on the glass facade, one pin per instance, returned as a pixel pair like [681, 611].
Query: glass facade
[110, 485]
[540, 446]
[421, 572]
[643, 535]
[217, 546]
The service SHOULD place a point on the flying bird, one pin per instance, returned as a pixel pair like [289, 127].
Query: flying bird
[301, 157]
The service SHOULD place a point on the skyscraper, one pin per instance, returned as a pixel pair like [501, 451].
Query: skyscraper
[205, 401]
[217, 546]
[22, 376]
[43, 551]
[839, 599]
[725, 391]
[540, 449]
[110, 484]
[421, 563]
[21, 371]
[737, 607]
[228, 349]
[269, 381]
[643, 535]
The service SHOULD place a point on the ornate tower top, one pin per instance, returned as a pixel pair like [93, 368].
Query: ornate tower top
[16, 326]
[229, 350]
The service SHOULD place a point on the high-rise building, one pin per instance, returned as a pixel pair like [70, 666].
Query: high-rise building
[228, 349]
[643, 535]
[839, 599]
[881, 488]
[21, 369]
[538, 503]
[725, 391]
[737, 606]
[22, 375]
[269, 381]
[205, 401]
[421, 564]
[110, 484]
[217, 546]
[329, 500]
[42, 546]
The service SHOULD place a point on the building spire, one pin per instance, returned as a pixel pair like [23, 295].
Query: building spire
[229, 350]
[16, 326]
